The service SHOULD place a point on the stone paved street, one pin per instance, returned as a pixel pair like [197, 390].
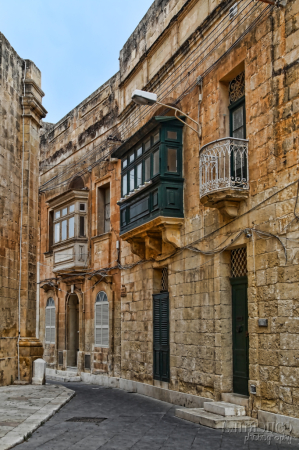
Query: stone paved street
[133, 422]
[24, 408]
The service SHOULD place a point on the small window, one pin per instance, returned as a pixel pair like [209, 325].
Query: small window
[50, 322]
[71, 227]
[71, 208]
[57, 232]
[131, 157]
[64, 212]
[147, 145]
[82, 226]
[147, 169]
[172, 160]
[132, 180]
[125, 184]
[172, 135]
[57, 215]
[139, 152]
[156, 138]
[125, 163]
[139, 174]
[101, 320]
[82, 206]
[156, 169]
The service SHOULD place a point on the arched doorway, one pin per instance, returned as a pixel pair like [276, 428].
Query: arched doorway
[72, 330]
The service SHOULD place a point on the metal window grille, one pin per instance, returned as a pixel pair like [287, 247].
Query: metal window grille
[238, 261]
[60, 358]
[87, 362]
[164, 280]
[237, 88]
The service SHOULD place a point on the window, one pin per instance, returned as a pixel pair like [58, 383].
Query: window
[139, 152]
[125, 163]
[156, 169]
[82, 206]
[82, 226]
[64, 212]
[132, 180]
[51, 220]
[131, 158]
[139, 175]
[101, 320]
[147, 145]
[104, 209]
[172, 160]
[71, 227]
[57, 233]
[72, 208]
[147, 169]
[172, 135]
[125, 184]
[156, 138]
[50, 321]
[68, 223]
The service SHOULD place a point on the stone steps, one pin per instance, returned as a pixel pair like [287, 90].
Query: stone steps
[64, 376]
[218, 415]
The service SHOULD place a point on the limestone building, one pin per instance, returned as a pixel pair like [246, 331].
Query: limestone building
[169, 243]
[21, 111]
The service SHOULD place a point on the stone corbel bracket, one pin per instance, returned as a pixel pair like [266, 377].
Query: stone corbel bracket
[32, 101]
[157, 237]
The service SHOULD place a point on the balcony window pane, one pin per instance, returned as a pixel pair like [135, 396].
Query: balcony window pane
[63, 230]
[125, 184]
[71, 227]
[147, 145]
[64, 212]
[57, 232]
[147, 169]
[82, 226]
[156, 137]
[72, 208]
[172, 135]
[172, 160]
[139, 152]
[131, 157]
[156, 163]
[132, 180]
[238, 128]
[57, 214]
[139, 174]
[125, 163]
[82, 206]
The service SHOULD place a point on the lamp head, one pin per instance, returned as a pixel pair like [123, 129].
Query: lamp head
[144, 98]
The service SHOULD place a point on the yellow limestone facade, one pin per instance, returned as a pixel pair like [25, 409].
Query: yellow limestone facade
[233, 68]
[21, 111]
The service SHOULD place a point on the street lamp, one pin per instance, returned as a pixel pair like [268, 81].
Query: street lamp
[149, 98]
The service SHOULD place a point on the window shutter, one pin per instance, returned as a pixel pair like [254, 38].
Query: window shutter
[161, 336]
[52, 310]
[102, 324]
[48, 325]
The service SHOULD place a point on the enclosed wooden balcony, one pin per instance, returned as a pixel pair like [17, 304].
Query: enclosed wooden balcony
[223, 175]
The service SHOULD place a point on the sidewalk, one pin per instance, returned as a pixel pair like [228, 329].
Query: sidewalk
[24, 408]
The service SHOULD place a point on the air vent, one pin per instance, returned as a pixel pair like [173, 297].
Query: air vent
[60, 358]
[87, 362]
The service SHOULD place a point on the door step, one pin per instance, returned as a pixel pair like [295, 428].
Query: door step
[218, 415]
[64, 376]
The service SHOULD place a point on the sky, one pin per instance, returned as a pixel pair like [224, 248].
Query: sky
[75, 43]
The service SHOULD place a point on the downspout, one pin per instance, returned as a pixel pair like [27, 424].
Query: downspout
[37, 301]
[21, 223]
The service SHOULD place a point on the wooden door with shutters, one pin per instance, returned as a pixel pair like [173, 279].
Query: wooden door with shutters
[240, 334]
[161, 336]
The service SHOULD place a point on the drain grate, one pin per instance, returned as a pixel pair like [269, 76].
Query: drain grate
[87, 419]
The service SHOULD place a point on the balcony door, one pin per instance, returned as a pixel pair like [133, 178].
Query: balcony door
[72, 330]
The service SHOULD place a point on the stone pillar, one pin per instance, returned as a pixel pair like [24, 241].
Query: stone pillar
[30, 347]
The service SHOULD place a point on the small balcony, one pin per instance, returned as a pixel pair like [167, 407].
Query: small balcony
[223, 175]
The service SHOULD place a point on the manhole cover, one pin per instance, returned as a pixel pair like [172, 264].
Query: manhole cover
[87, 419]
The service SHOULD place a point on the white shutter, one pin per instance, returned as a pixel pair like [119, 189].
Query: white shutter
[48, 325]
[53, 325]
[102, 324]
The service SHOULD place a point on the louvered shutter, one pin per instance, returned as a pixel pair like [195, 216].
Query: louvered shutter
[102, 322]
[52, 325]
[48, 325]
[161, 336]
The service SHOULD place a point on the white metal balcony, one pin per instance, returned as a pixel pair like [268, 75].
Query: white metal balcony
[223, 174]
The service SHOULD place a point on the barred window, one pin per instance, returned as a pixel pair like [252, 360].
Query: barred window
[50, 321]
[101, 320]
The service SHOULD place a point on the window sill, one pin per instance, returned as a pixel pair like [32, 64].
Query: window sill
[69, 241]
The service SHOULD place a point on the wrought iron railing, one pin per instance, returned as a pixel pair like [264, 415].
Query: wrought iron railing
[223, 164]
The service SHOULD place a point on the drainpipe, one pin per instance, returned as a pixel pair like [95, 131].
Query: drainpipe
[37, 300]
[21, 222]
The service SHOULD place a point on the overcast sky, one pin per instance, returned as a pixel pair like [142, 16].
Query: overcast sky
[75, 43]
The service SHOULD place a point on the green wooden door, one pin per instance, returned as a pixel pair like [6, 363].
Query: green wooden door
[161, 336]
[240, 335]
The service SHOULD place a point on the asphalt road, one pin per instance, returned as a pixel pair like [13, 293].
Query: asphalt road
[135, 422]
